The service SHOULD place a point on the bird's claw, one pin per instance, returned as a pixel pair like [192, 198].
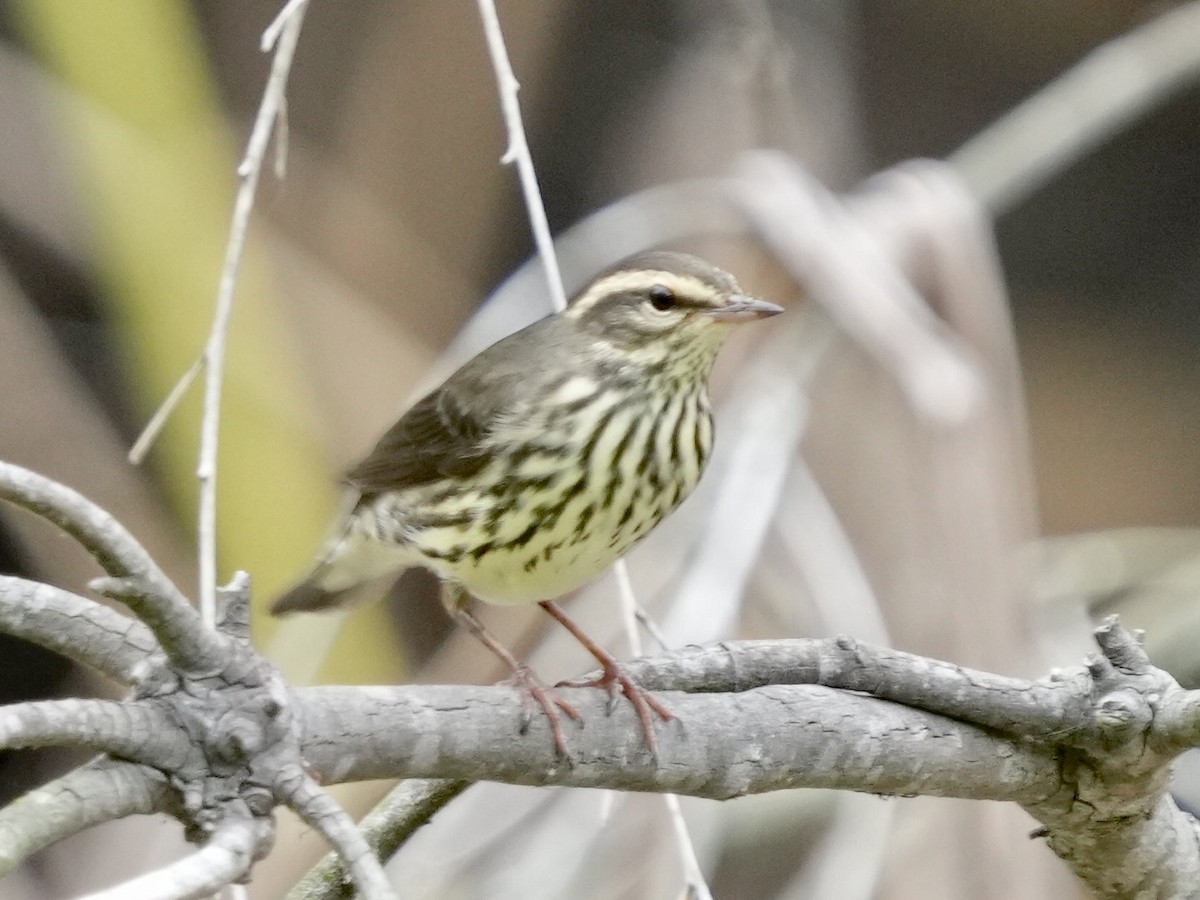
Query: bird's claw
[535, 691]
[614, 680]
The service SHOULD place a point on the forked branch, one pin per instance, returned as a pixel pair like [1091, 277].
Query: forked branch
[1086, 752]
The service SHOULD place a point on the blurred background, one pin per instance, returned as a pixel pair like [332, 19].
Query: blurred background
[123, 125]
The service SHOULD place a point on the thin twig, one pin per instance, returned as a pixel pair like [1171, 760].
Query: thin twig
[518, 151]
[289, 23]
[631, 610]
[145, 440]
[284, 29]
[271, 33]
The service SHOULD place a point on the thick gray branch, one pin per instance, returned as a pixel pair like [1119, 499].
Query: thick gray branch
[151, 595]
[130, 730]
[1150, 852]
[719, 746]
[101, 791]
[1178, 722]
[1015, 706]
[78, 628]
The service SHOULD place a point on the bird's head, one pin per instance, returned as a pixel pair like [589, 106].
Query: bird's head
[664, 308]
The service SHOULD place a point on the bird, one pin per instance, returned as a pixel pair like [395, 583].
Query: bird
[544, 459]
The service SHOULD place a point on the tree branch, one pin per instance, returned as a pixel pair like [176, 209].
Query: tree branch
[1087, 754]
[405, 809]
[100, 791]
[1103, 94]
[304, 796]
[156, 600]
[1178, 723]
[1014, 706]
[225, 859]
[131, 730]
[284, 34]
[114, 644]
[720, 745]
[1153, 851]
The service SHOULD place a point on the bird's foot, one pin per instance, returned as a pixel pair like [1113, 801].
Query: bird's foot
[616, 681]
[535, 691]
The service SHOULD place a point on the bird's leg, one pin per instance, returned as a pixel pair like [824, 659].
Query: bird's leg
[525, 679]
[613, 679]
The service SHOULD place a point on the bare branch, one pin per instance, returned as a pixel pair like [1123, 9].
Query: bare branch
[288, 23]
[1151, 850]
[518, 151]
[1103, 94]
[100, 791]
[848, 270]
[1178, 721]
[131, 730]
[79, 628]
[766, 739]
[1015, 706]
[225, 859]
[156, 601]
[154, 427]
[306, 798]
[405, 809]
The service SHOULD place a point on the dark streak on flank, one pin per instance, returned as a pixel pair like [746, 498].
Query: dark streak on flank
[581, 523]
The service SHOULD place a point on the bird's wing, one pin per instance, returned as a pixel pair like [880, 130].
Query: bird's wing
[440, 437]
[446, 435]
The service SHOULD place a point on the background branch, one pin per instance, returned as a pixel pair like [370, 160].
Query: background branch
[405, 809]
[226, 857]
[1105, 92]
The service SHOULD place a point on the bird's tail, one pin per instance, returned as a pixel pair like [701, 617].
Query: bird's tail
[348, 561]
[331, 581]
[310, 596]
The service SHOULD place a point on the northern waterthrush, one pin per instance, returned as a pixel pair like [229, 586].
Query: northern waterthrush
[545, 458]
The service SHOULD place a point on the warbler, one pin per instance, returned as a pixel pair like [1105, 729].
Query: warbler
[546, 457]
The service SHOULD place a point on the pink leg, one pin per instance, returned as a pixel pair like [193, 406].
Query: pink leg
[525, 679]
[614, 679]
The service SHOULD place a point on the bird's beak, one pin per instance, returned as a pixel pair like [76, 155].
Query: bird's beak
[740, 308]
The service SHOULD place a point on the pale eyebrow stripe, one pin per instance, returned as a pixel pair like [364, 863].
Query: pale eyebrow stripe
[619, 282]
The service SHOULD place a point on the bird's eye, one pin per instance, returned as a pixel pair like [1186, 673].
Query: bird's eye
[662, 297]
